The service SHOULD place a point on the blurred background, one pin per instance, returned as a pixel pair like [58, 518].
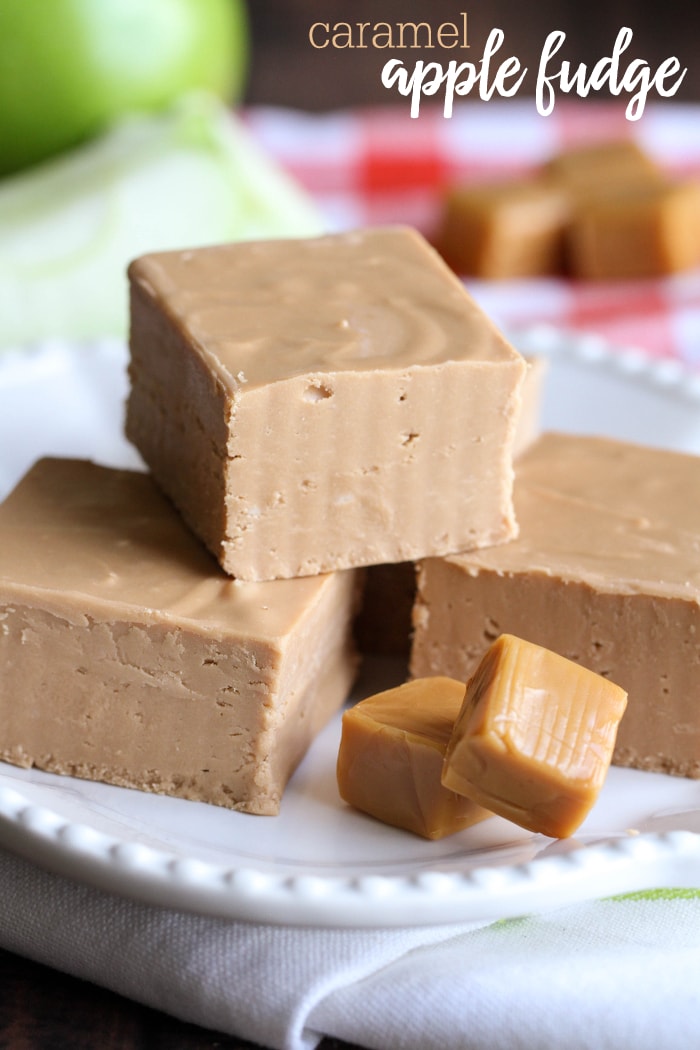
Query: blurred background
[129, 126]
[286, 70]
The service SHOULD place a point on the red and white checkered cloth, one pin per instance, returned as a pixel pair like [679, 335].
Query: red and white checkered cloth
[372, 166]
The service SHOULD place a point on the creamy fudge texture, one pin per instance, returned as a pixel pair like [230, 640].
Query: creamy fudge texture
[312, 405]
[534, 737]
[127, 655]
[605, 571]
[383, 623]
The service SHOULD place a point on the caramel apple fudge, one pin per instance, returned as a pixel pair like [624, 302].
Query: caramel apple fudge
[605, 571]
[313, 405]
[391, 756]
[128, 656]
[383, 622]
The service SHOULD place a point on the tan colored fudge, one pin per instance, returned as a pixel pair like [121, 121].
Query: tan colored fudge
[534, 737]
[391, 756]
[128, 656]
[312, 405]
[606, 571]
[505, 229]
[384, 621]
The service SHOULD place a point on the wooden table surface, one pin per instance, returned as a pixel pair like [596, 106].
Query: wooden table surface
[41, 1009]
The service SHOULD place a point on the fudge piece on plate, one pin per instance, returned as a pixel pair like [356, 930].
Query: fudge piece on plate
[312, 405]
[605, 571]
[128, 656]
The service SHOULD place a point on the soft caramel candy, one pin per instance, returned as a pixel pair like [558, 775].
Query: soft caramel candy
[505, 229]
[391, 755]
[383, 623]
[534, 738]
[601, 166]
[640, 231]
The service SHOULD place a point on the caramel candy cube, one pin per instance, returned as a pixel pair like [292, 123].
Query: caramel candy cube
[601, 166]
[506, 229]
[534, 738]
[391, 756]
[642, 231]
[312, 405]
[128, 656]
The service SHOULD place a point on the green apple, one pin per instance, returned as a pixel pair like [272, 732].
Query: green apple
[69, 68]
[188, 175]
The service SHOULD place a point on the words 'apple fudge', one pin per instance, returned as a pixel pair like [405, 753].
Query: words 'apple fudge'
[605, 571]
[128, 656]
[312, 405]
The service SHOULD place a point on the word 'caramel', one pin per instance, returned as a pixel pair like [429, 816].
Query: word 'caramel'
[534, 738]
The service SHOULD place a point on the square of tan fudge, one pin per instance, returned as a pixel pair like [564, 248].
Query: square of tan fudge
[128, 656]
[642, 231]
[505, 229]
[605, 571]
[312, 405]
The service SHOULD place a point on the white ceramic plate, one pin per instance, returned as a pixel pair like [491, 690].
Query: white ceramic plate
[319, 862]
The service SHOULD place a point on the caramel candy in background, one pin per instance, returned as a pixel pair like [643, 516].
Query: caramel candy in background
[641, 231]
[602, 166]
[534, 738]
[605, 571]
[604, 211]
[285, 396]
[128, 656]
[391, 756]
[505, 229]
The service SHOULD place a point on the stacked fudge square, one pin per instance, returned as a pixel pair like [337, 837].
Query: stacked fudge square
[308, 409]
[305, 408]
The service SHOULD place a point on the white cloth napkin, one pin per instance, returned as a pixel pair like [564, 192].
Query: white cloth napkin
[607, 975]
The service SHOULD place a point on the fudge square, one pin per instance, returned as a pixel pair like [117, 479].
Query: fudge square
[605, 571]
[128, 656]
[313, 405]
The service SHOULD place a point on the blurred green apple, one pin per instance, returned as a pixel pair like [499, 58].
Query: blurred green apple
[69, 68]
